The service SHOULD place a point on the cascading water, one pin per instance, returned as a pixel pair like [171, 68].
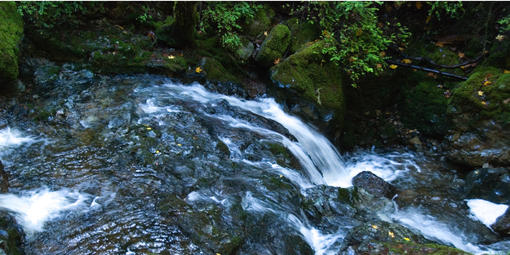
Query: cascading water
[146, 165]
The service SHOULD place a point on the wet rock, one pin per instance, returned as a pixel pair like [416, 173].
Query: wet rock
[4, 182]
[11, 32]
[502, 225]
[368, 238]
[302, 32]
[245, 50]
[373, 184]
[274, 46]
[11, 235]
[492, 184]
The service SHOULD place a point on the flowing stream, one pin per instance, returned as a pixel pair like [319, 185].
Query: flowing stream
[144, 164]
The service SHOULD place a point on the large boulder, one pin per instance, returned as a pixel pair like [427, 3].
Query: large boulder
[373, 184]
[274, 46]
[309, 73]
[302, 32]
[480, 110]
[11, 32]
[502, 225]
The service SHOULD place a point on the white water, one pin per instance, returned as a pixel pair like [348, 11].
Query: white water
[34, 208]
[12, 137]
[485, 211]
[437, 230]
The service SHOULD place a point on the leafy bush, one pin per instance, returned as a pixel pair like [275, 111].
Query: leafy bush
[226, 18]
[446, 9]
[355, 38]
[49, 14]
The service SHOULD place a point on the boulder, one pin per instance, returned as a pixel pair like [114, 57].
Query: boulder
[274, 46]
[373, 184]
[302, 32]
[11, 32]
[11, 235]
[492, 184]
[480, 110]
[261, 22]
[313, 77]
[502, 225]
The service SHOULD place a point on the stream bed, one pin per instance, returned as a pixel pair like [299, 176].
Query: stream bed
[148, 165]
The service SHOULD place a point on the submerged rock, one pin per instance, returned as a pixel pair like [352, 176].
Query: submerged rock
[11, 32]
[373, 184]
[502, 225]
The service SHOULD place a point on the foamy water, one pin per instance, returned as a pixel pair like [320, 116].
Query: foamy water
[485, 211]
[33, 209]
[12, 137]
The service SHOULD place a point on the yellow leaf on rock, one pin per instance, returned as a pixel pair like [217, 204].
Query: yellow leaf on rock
[375, 227]
[171, 57]
[198, 69]
[149, 128]
[391, 234]
[487, 83]
[500, 37]
[407, 239]
[392, 66]
[506, 71]
[179, 144]
[483, 103]
[406, 61]
[480, 93]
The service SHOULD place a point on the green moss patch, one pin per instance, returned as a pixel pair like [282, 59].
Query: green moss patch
[274, 46]
[11, 32]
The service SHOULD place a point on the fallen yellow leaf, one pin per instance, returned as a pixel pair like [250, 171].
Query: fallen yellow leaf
[460, 54]
[407, 239]
[276, 61]
[392, 66]
[171, 57]
[480, 93]
[379, 66]
[265, 33]
[406, 61]
[500, 37]
[198, 69]
[281, 176]
[149, 128]
[157, 152]
[506, 71]
[483, 103]
[179, 144]
[487, 83]
[391, 234]
[375, 227]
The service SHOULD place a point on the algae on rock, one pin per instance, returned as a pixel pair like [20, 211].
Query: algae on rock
[11, 32]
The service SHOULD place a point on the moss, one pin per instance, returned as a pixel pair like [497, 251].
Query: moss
[274, 46]
[261, 22]
[215, 71]
[414, 248]
[425, 108]
[11, 31]
[164, 30]
[307, 72]
[499, 54]
[486, 94]
[302, 33]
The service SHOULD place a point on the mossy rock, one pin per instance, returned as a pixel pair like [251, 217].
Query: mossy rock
[485, 94]
[164, 30]
[302, 33]
[215, 71]
[274, 46]
[425, 108]
[261, 22]
[310, 74]
[440, 55]
[245, 50]
[499, 54]
[418, 249]
[11, 32]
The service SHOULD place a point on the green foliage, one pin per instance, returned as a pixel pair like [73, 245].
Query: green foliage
[47, 14]
[504, 24]
[226, 18]
[11, 31]
[449, 9]
[146, 16]
[355, 38]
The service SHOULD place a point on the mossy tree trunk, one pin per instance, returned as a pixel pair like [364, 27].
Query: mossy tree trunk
[186, 20]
